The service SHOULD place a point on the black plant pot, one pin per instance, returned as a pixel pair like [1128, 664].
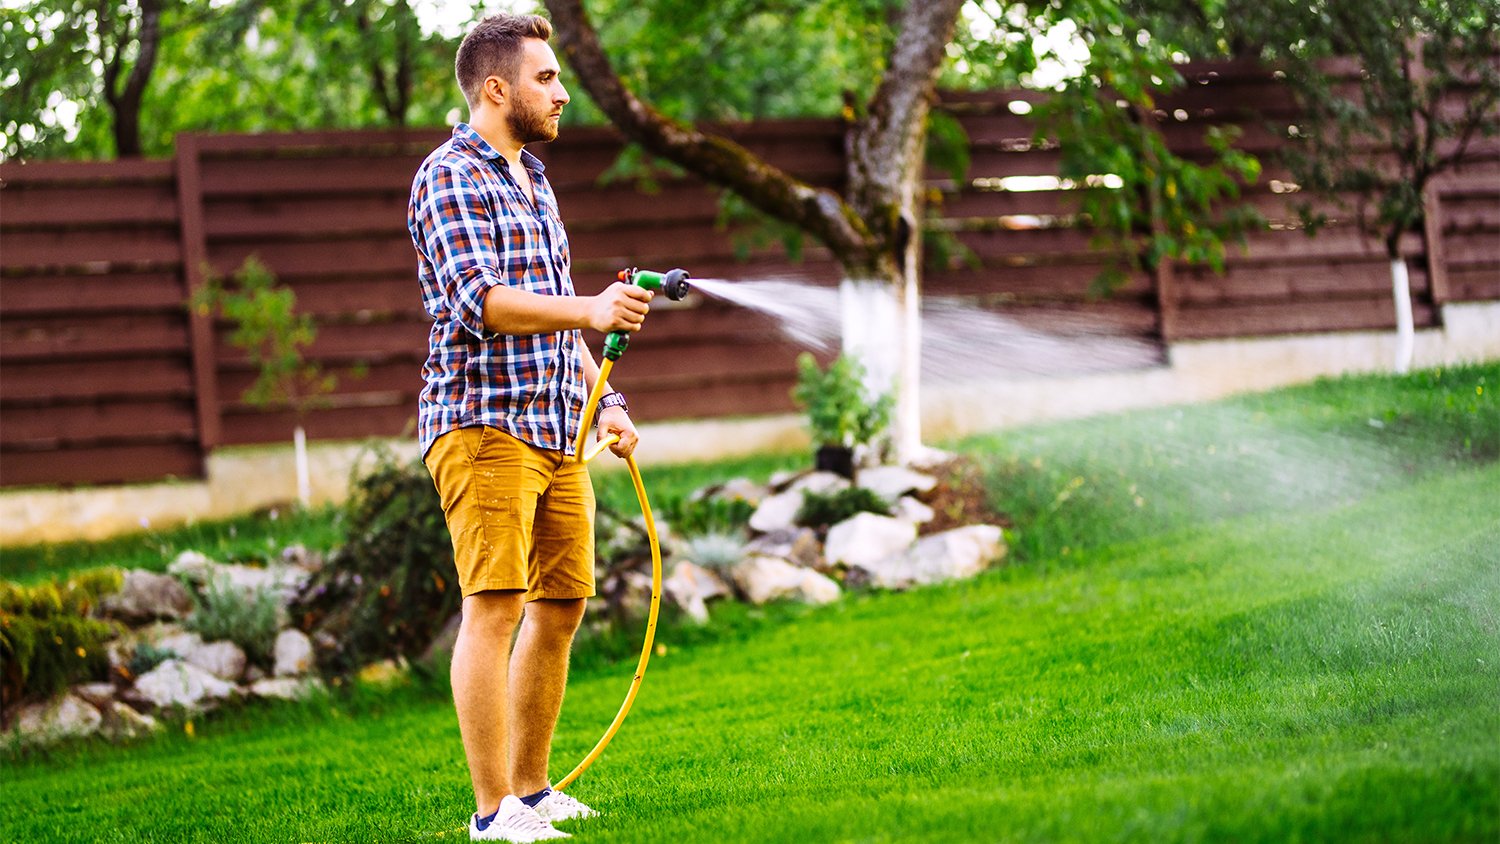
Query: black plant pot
[835, 458]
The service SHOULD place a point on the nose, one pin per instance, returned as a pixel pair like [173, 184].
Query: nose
[561, 95]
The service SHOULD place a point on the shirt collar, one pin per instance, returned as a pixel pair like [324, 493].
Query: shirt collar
[465, 133]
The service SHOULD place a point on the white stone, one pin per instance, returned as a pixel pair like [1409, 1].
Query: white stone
[764, 579]
[181, 643]
[224, 659]
[178, 683]
[779, 480]
[798, 546]
[820, 483]
[865, 538]
[193, 565]
[952, 554]
[67, 716]
[778, 512]
[123, 722]
[146, 595]
[98, 695]
[287, 688]
[909, 509]
[294, 653]
[691, 586]
[892, 482]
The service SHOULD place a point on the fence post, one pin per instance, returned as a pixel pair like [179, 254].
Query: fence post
[194, 269]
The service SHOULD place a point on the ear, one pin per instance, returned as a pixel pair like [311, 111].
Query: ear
[493, 90]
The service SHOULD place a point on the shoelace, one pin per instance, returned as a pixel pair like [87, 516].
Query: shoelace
[528, 821]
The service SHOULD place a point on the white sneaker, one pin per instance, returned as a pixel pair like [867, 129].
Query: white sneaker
[515, 822]
[557, 807]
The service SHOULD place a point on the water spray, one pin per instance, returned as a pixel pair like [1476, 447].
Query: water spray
[674, 284]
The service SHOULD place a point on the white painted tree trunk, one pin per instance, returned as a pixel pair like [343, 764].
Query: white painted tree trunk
[304, 476]
[882, 330]
[1405, 331]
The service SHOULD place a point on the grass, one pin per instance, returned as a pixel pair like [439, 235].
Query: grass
[1285, 664]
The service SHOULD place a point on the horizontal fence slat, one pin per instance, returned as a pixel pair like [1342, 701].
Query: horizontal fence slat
[70, 207]
[94, 421]
[53, 248]
[1293, 318]
[85, 338]
[109, 293]
[101, 464]
[64, 381]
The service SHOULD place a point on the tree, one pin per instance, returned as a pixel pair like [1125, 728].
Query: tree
[873, 229]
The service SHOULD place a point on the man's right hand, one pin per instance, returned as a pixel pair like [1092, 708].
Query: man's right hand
[621, 307]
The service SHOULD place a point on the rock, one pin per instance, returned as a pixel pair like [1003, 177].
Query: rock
[287, 688]
[892, 482]
[67, 716]
[691, 586]
[97, 695]
[952, 554]
[909, 509]
[820, 483]
[798, 546]
[146, 595]
[631, 592]
[194, 566]
[294, 653]
[123, 722]
[254, 674]
[178, 683]
[780, 480]
[778, 512]
[299, 556]
[765, 579]
[181, 643]
[224, 660]
[865, 538]
[927, 458]
[742, 489]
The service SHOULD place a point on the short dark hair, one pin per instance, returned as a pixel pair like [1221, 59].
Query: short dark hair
[493, 48]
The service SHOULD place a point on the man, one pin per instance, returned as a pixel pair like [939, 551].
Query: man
[507, 375]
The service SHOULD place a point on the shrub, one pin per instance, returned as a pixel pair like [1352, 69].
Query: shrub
[390, 588]
[249, 618]
[690, 517]
[839, 410]
[48, 641]
[821, 510]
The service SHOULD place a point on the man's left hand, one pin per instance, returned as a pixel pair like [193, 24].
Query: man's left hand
[614, 420]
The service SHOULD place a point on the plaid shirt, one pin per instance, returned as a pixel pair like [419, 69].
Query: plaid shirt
[474, 227]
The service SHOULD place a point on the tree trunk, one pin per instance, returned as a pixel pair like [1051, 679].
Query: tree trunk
[125, 103]
[1405, 329]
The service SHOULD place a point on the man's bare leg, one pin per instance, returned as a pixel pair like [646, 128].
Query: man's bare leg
[538, 676]
[479, 677]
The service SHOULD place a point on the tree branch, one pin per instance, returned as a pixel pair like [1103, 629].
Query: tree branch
[818, 211]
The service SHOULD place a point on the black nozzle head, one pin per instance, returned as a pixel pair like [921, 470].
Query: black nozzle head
[675, 284]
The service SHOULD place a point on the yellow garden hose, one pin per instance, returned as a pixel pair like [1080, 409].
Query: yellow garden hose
[640, 494]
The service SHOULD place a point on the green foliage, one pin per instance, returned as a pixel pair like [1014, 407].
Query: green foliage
[389, 589]
[717, 549]
[819, 510]
[273, 335]
[47, 639]
[689, 517]
[249, 618]
[839, 410]
[147, 656]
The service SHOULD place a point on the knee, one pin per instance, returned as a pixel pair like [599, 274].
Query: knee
[492, 615]
[556, 618]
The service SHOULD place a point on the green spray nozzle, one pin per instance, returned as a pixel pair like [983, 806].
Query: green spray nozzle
[673, 283]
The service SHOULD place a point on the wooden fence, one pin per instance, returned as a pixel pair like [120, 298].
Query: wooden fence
[107, 377]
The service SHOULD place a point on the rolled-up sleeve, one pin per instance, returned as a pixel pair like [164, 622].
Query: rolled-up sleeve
[459, 240]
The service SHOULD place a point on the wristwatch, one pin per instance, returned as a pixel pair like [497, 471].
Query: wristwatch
[614, 400]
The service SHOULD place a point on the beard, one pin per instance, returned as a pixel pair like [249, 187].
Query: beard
[528, 125]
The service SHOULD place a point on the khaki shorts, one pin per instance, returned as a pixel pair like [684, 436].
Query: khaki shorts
[521, 517]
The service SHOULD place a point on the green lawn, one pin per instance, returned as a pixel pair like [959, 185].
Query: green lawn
[1287, 664]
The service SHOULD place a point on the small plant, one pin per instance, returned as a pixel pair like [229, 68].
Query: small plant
[274, 337]
[717, 550]
[249, 618]
[706, 515]
[824, 509]
[840, 411]
[147, 656]
[48, 641]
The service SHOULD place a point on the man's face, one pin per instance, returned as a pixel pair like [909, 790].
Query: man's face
[537, 96]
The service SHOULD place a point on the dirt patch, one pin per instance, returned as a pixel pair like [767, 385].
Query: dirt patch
[960, 498]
